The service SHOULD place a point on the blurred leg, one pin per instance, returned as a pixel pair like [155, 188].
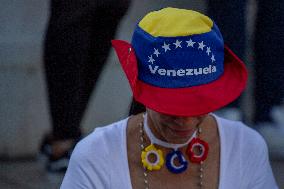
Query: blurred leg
[230, 18]
[269, 60]
[76, 47]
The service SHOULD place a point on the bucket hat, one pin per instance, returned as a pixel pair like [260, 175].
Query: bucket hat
[177, 64]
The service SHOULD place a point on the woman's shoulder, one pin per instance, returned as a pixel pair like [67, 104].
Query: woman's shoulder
[92, 157]
[102, 140]
[241, 134]
[248, 150]
[237, 128]
[108, 132]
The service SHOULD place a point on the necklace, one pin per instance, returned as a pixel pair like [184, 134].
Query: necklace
[193, 143]
[155, 140]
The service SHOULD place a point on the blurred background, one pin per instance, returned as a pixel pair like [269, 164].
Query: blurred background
[24, 113]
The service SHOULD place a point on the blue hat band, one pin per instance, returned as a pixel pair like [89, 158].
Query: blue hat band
[177, 62]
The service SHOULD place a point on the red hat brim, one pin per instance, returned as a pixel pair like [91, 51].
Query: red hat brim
[190, 101]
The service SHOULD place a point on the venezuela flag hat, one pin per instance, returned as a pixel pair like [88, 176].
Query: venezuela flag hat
[177, 64]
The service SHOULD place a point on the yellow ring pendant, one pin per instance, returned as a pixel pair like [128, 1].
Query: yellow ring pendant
[158, 154]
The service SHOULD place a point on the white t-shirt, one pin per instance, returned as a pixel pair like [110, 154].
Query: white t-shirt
[100, 161]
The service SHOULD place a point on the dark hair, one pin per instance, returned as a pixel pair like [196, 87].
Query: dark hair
[136, 107]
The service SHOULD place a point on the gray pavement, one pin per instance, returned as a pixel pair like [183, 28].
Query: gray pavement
[27, 174]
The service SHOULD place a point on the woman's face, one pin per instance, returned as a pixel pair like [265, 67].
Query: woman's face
[173, 129]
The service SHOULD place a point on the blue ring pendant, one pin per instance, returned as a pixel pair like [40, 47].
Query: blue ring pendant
[181, 160]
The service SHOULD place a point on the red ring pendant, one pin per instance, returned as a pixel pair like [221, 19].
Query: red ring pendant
[204, 147]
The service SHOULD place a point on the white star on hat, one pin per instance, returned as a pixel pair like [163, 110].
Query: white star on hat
[156, 52]
[201, 45]
[151, 59]
[166, 47]
[208, 51]
[213, 58]
[190, 43]
[177, 44]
